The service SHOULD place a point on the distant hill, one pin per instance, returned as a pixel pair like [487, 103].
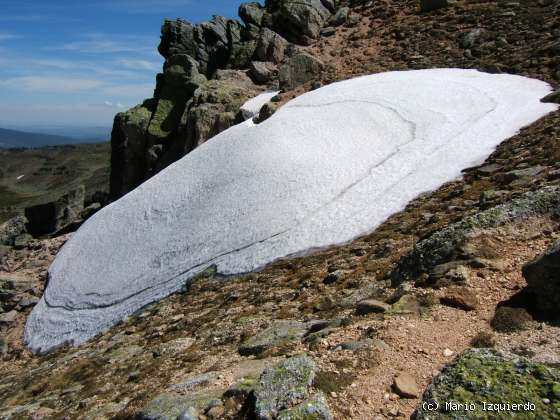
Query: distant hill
[10, 138]
[30, 176]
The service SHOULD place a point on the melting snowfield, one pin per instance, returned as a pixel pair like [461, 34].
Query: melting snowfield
[328, 166]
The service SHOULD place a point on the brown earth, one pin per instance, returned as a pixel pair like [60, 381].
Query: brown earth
[118, 372]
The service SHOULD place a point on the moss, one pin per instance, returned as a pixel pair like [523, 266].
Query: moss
[331, 382]
[508, 319]
[487, 376]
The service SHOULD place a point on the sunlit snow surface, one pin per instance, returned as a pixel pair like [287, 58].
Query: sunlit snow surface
[328, 166]
[253, 106]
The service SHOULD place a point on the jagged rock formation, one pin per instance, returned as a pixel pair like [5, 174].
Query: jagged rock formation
[195, 99]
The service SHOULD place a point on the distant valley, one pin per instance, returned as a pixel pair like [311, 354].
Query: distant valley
[51, 136]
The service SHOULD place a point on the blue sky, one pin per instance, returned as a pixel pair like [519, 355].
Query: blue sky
[72, 62]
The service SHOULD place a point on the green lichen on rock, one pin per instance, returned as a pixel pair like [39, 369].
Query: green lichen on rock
[282, 386]
[314, 408]
[484, 376]
[443, 246]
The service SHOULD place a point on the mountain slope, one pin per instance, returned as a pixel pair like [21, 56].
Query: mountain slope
[15, 139]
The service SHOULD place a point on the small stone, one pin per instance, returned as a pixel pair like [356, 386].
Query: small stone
[216, 412]
[448, 353]
[461, 298]
[546, 401]
[8, 317]
[405, 385]
[369, 306]
[332, 277]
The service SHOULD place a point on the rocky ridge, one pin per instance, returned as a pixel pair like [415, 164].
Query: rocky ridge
[188, 345]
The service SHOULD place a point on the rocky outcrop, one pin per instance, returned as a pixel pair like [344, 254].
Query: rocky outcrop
[444, 247]
[543, 279]
[482, 377]
[193, 101]
[52, 217]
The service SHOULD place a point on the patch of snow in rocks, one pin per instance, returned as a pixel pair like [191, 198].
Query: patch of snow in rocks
[328, 166]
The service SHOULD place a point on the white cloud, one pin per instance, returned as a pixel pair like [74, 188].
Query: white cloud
[51, 84]
[102, 43]
[108, 103]
[141, 64]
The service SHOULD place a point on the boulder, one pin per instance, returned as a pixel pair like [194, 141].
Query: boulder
[11, 229]
[484, 376]
[283, 386]
[429, 5]
[251, 13]
[270, 46]
[301, 68]
[340, 16]
[262, 71]
[553, 97]
[300, 21]
[266, 112]
[369, 306]
[543, 279]
[52, 217]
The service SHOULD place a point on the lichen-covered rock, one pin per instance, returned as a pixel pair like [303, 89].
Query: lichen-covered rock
[170, 406]
[262, 71]
[51, 217]
[128, 149]
[279, 333]
[313, 408]
[483, 377]
[283, 386]
[444, 245]
[301, 68]
[11, 229]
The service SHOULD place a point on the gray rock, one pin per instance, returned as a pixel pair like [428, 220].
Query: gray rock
[543, 279]
[370, 306]
[340, 16]
[470, 39]
[270, 46]
[300, 21]
[278, 334]
[301, 68]
[266, 112]
[190, 413]
[283, 386]
[262, 71]
[313, 408]
[329, 31]
[11, 229]
[53, 216]
[332, 277]
[251, 13]
[8, 317]
[21, 241]
[169, 406]
[429, 5]
[553, 97]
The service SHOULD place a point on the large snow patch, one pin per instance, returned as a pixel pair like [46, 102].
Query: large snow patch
[328, 166]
